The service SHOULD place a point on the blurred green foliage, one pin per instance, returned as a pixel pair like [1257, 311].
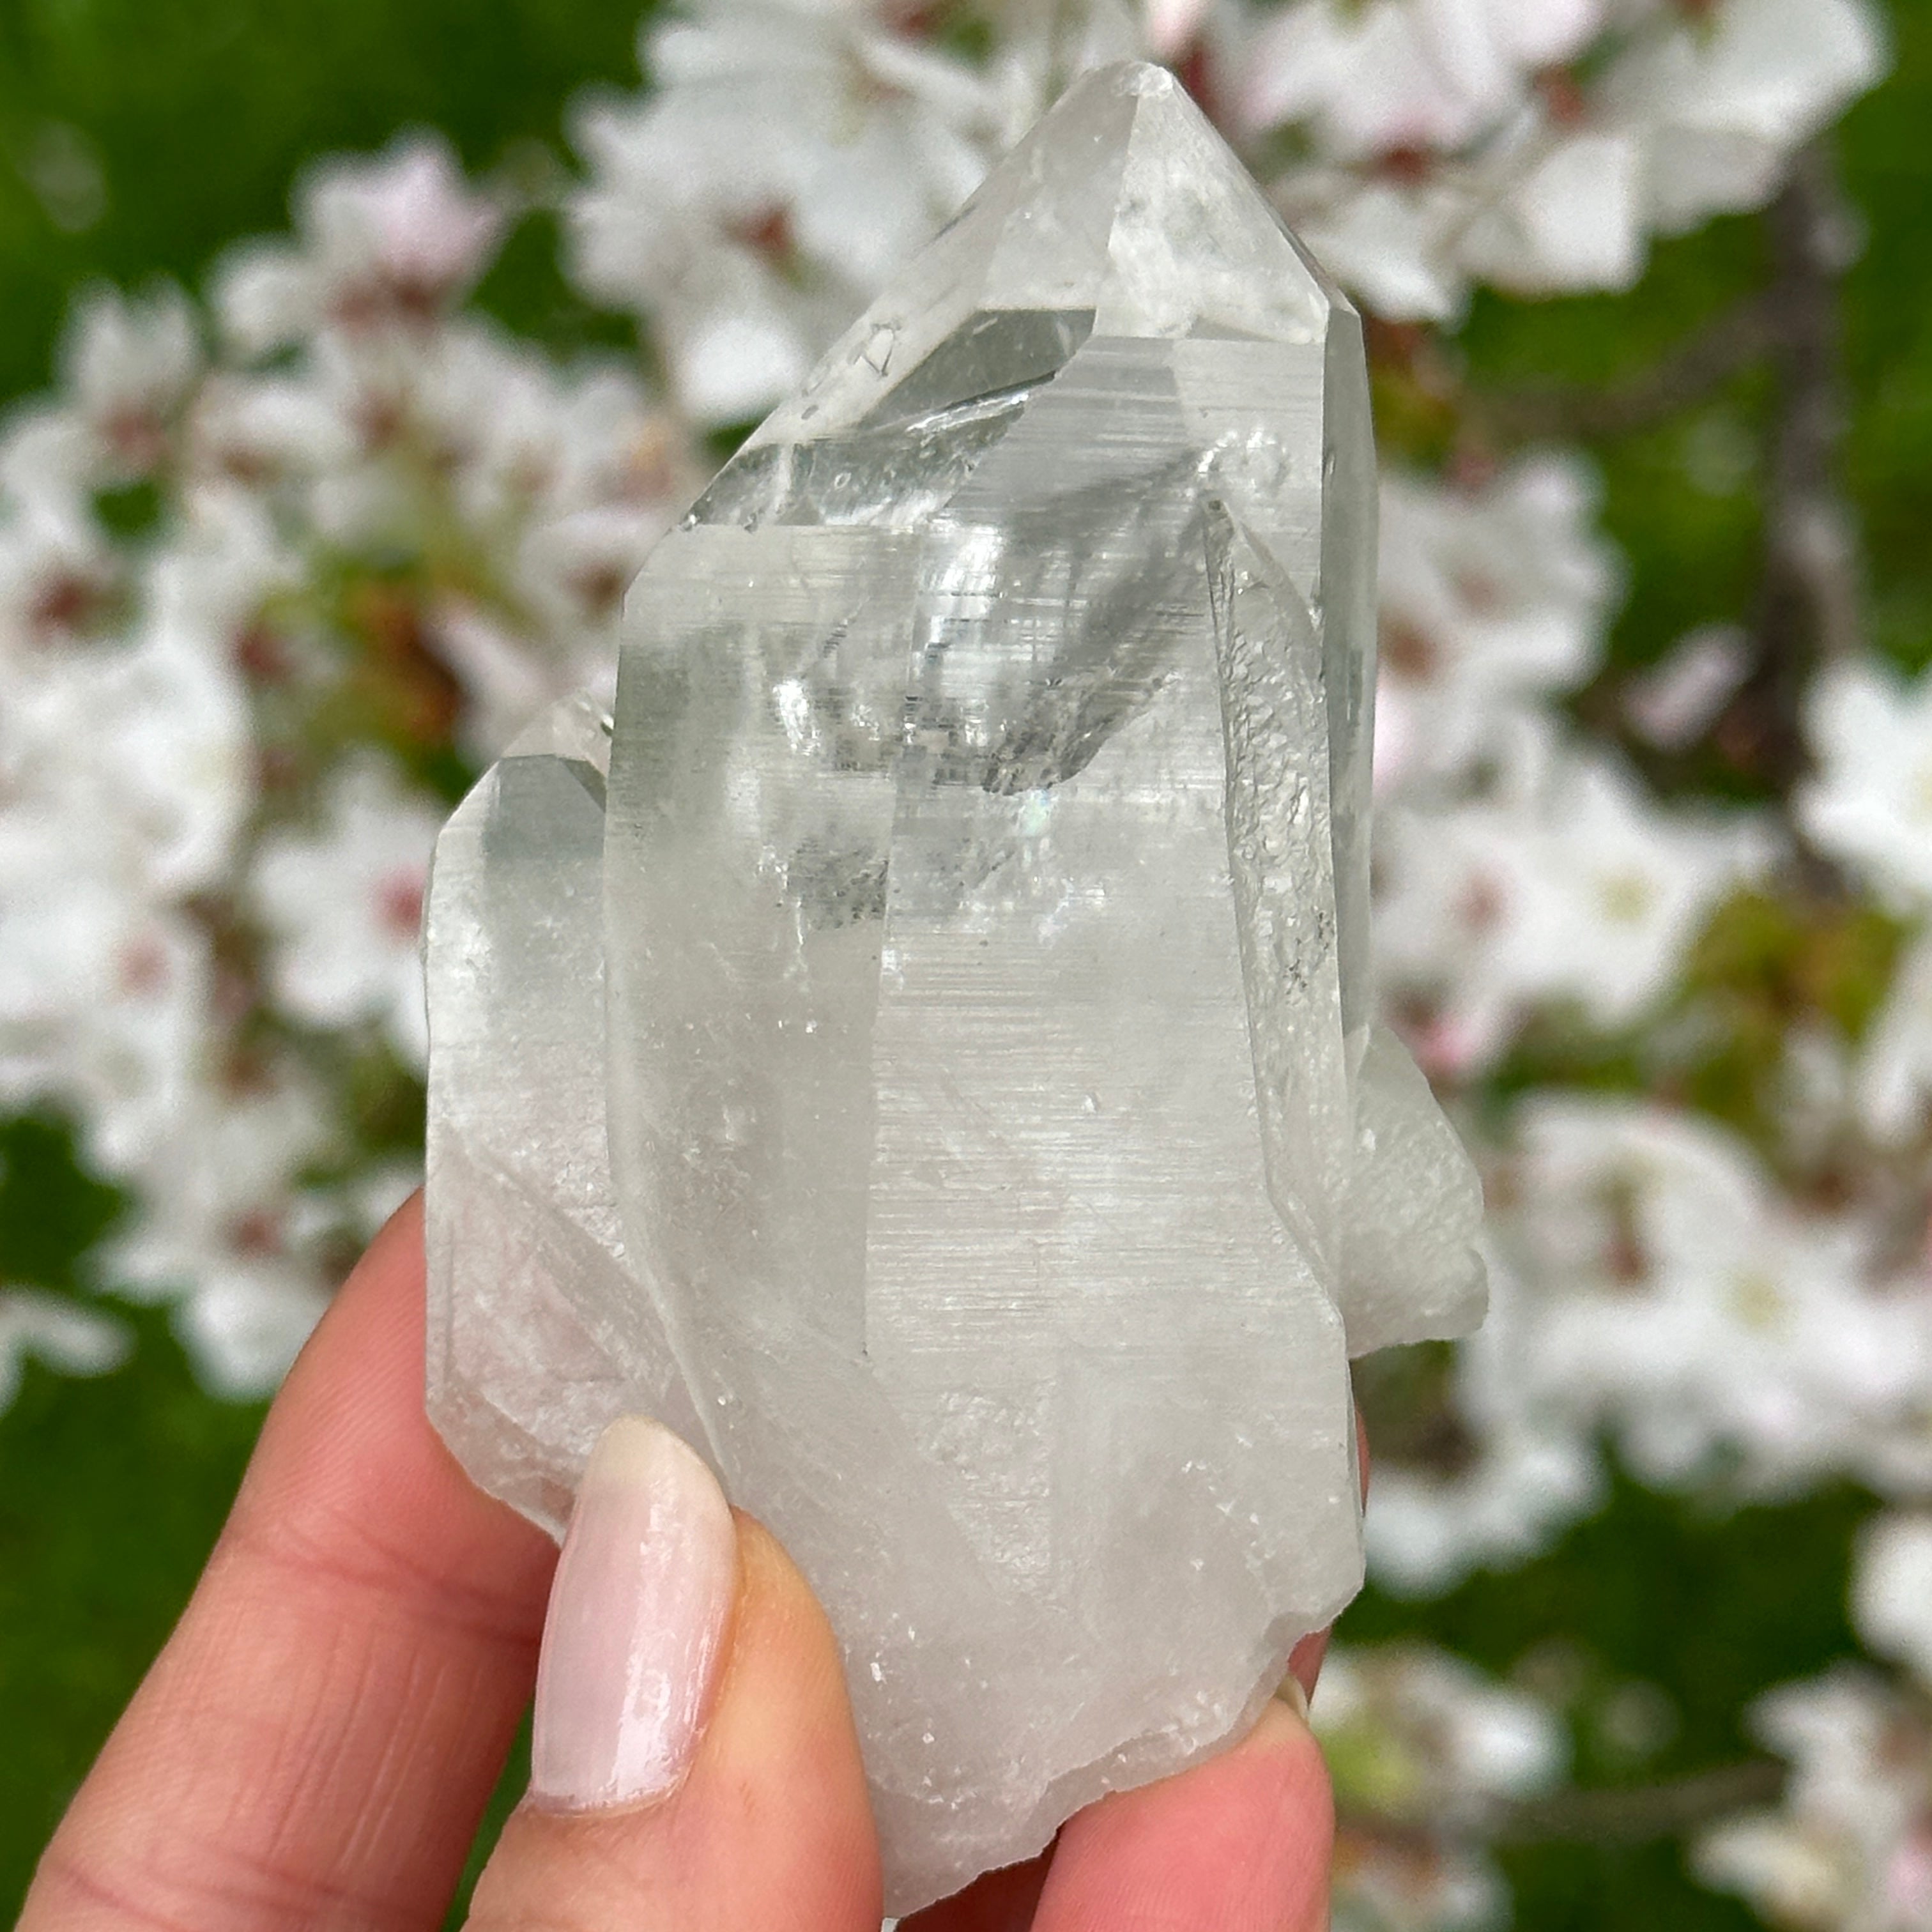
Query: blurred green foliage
[136, 140]
[111, 1491]
[1695, 1607]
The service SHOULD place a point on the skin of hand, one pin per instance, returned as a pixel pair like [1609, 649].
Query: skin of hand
[315, 1743]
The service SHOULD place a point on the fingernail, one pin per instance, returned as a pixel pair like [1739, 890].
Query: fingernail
[638, 1613]
[1291, 1693]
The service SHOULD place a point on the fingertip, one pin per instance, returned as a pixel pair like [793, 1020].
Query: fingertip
[783, 1631]
[780, 1761]
[1304, 1666]
[326, 1723]
[769, 1823]
[348, 1461]
[1240, 1843]
[1283, 1745]
[638, 1617]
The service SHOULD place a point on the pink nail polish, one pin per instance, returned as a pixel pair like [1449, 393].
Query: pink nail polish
[638, 1613]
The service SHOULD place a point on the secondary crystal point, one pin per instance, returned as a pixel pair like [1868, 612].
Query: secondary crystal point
[980, 1147]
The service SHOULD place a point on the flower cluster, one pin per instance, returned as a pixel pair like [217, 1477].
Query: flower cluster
[1852, 1845]
[272, 579]
[1434, 143]
[278, 572]
[1422, 1750]
[793, 153]
[1518, 868]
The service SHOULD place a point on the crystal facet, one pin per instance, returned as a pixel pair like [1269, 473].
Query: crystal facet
[939, 1079]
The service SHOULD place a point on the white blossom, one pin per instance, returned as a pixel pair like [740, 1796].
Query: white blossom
[130, 366]
[791, 156]
[535, 494]
[558, 482]
[268, 435]
[138, 753]
[1870, 805]
[1723, 103]
[1684, 1304]
[1531, 1470]
[344, 902]
[105, 1000]
[1530, 1479]
[1554, 210]
[1848, 1851]
[246, 1319]
[1491, 599]
[58, 578]
[1173, 26]
[1431, 1745]
[1894, 1080]
[1467, 1741]
[1381, 239]
[221, 1237]
[1536, 147]
[48, 456]
[128, 773]
[61, 1333]
[1892, 1589]
[1397, 74]
[386, 243]
[1569, 887]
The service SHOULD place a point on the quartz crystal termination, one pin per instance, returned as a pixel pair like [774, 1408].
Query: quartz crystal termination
[924, 1055]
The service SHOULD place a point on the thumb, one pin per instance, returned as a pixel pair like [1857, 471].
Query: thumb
[694, 1764]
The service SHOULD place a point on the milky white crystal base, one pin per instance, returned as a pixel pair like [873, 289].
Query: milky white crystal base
[923, 1053]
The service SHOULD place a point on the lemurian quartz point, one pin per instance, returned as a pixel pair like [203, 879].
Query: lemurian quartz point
[924, 1054]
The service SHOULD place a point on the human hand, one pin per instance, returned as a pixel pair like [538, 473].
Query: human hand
[314, 1746]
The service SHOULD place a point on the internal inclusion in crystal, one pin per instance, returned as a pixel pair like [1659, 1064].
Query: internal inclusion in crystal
[933, 1070]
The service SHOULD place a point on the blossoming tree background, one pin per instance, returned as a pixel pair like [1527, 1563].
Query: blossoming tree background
[306, 526]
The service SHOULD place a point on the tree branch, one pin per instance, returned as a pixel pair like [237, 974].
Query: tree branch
[1809, 598]
[1640, 1813]
[1634, 1815]
[1693, 371]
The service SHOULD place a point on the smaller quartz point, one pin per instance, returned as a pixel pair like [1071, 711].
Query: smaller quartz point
[923, 1053]
[529, 1352]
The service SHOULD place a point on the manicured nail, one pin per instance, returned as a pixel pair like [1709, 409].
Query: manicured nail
[1291, 1693]
[638, 1614]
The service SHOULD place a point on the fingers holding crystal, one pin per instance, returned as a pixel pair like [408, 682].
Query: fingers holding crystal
[317, 1742]
[694, 1763]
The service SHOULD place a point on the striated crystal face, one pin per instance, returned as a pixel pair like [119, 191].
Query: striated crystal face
[924, 1053]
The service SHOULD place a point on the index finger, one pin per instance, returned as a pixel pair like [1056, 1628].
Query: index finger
[317, 1740]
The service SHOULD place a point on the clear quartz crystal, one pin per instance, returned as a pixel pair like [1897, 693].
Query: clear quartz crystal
[940, 1082]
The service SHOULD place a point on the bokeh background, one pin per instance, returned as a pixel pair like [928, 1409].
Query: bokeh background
[354, 356]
